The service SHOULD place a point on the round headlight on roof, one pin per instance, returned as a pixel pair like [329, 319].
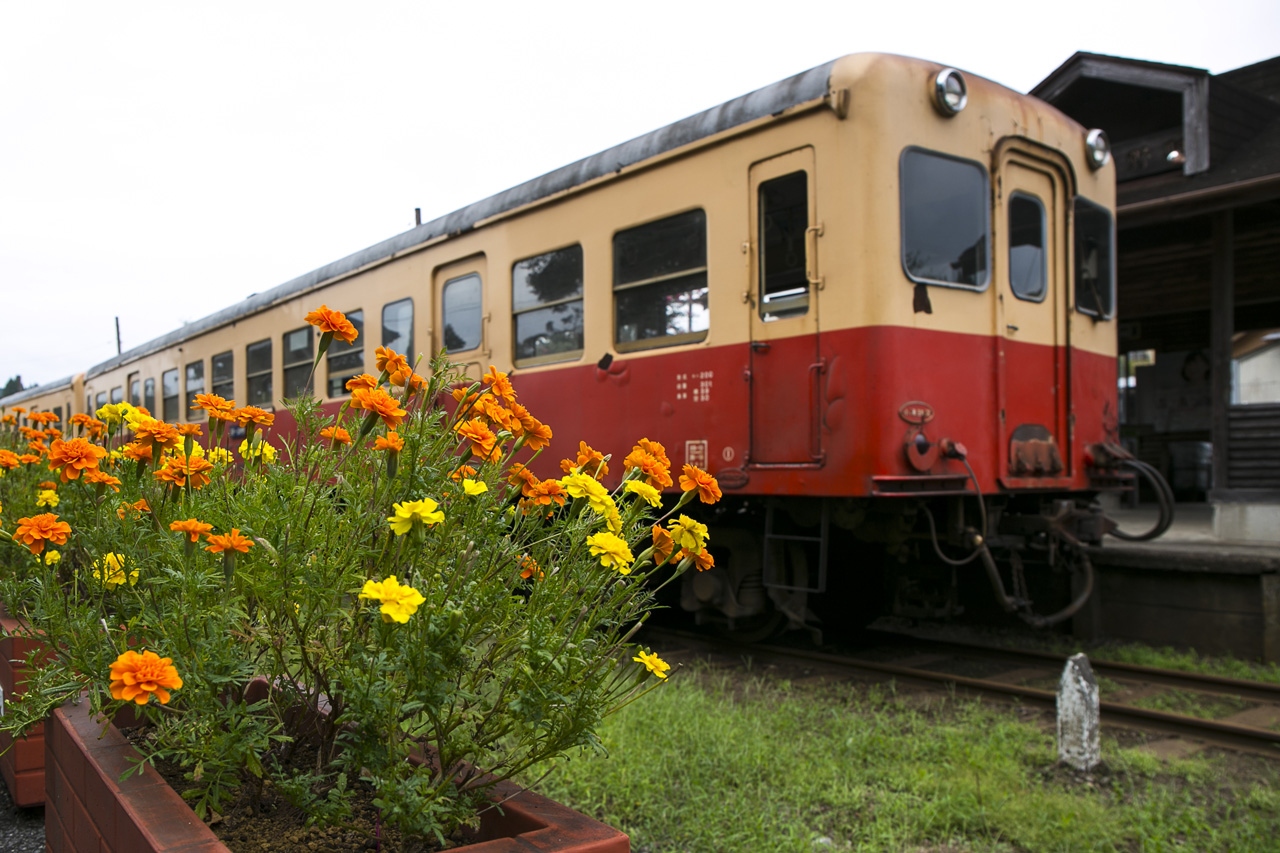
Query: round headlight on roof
[1097, 148]
[950, 92]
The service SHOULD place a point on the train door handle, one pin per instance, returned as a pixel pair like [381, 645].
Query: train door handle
[761, 346]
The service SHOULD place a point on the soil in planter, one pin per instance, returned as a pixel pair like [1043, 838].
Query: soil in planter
[275, 825]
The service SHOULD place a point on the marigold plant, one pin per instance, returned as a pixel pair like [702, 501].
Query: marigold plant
[405, 570]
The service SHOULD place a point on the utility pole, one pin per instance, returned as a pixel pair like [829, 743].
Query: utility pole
[118, 350]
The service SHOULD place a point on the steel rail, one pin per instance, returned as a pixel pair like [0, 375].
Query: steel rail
[1223, 734]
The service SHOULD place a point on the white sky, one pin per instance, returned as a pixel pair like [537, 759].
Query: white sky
[160, 161]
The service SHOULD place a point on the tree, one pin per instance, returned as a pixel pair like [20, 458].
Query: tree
[13, 386]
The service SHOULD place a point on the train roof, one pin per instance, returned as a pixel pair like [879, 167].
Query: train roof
[36, 391]
[776, 97]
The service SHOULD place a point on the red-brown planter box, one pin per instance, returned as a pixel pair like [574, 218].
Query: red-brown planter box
[88, 809]
[22, 764]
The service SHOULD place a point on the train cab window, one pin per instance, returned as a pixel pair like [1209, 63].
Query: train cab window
[784, 218]
[298, 353]
[117, 394]
[945, 223]
[346, 360]
[169, 393]
[195, 385]
[660, 282]
[1026, 247]
[257, 359]
[149, 395]
[1095, 260]
[546, 303]
[224, 375]
[397, 327]
[460, 307]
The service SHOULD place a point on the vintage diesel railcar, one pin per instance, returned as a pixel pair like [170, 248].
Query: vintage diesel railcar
[875, 299]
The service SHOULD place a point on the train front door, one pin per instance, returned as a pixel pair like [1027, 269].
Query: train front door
[459, 317]
[1031, 276]
[782, 296]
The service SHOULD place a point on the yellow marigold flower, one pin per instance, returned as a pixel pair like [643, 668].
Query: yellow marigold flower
[113, 413]
[47, 497]
[137, 677]
[227, 542]
[707, 486]
[52, 557]
[260, 450]
[331, 322]
[407, 512]
[219, 455]
[688, 534]
[336, 435]
[192, 527]
[36, 530]
[612, 551]
[613, 518]
[110, 571]
[647, 493]
[72, 457]
[398, 602]
[474, 487]
[653, 663]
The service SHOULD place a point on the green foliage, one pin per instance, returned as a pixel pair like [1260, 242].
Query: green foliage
[297, 667]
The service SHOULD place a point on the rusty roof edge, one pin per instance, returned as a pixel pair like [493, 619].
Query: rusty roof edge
[769, 100]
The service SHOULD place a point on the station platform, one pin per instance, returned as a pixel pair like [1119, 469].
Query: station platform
[1187, 589]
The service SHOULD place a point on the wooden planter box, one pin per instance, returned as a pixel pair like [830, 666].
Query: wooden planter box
[88, 808]
[22, 764]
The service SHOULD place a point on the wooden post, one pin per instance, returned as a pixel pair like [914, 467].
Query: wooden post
[1221, 328]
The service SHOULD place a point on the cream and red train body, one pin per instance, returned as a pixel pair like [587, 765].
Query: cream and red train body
[818, 356]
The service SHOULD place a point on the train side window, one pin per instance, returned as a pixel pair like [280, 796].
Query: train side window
[1026, 247]
[461, 307]
[57, 411]
[100, 401]
[195, 385]
[546, 300]
[660, 282]
[1095, 260]
[117, 394]
[945, 223]
[397, 327]
[346, 360]
[149, 395]
[784, 218]
[224, 375]
[135, 390]
[169, 394]
[257, 359]
[298, 353]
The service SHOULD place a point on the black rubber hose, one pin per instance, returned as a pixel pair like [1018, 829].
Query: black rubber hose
[1071, 609]
[1164, 497]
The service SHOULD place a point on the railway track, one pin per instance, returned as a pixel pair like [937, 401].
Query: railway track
[931, 663]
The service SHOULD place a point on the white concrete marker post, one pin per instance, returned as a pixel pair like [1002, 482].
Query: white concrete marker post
[1078, 727]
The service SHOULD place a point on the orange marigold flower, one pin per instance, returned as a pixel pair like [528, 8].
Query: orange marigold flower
[484, 443]
[193, 430]
[149, 432]
[333, 322]
[36, 530]
[20, 410]
[42, 417]
[80, 419]
[72, 457]
[517, 475]
[538, 437]
[38, 447]
[391, 442]
[194, 528]
[213, 403]
[417, 382]
[9, 460]
[261, 417]
[707, 486]
[364, 380]
[499, 384]
[96, 428]
[702, 561]
[336, 435]
[30, 458]
[380, 403]
[389, 361]
[656, 471]
[102, 478]
[179, 470]
[529, 567]
[137, 677]
[137, 452]
[134, 510]
[545, 493]
[663, 544]
[49, 484]
[232, 541]
[589, 461]
[53, 432]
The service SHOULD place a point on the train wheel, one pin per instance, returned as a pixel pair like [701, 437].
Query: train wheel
[753, 629]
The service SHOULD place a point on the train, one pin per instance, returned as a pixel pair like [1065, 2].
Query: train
[875, 299]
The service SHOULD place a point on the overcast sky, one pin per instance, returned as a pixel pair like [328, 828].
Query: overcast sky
[160, 161]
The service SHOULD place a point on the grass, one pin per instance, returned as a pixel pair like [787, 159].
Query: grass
[719, 762]
[1206, 706]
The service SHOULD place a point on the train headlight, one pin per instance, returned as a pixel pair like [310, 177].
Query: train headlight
[950, 92]
[1097, 149]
